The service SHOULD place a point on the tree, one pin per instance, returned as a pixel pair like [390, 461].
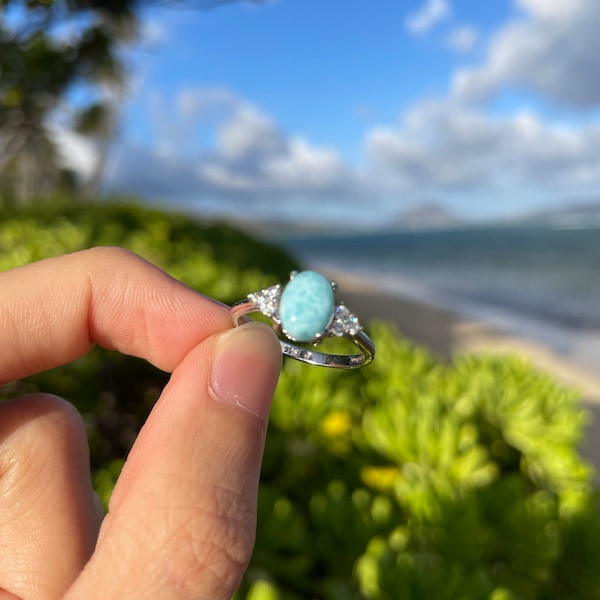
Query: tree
[48, 50]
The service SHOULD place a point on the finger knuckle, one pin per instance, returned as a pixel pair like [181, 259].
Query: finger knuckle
[220, 539]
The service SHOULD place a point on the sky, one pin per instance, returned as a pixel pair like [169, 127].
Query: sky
[352, 113]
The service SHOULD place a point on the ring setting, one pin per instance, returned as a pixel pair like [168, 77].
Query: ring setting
[304, 311]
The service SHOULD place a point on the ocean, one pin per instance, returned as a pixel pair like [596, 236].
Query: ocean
[538, 282]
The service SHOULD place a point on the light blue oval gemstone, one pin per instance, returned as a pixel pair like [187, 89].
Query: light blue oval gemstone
[306, 306]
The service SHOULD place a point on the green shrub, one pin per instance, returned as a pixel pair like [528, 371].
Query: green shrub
[408, 479]
[415, 479]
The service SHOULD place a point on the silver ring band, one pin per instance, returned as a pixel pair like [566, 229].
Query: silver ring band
[341, 323]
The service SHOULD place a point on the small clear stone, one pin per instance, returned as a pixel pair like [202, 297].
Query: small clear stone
[344, 322]
[267, 301]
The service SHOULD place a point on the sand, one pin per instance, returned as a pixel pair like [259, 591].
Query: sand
[447, 334]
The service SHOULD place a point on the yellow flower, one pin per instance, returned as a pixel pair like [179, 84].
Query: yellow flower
[380, 478]
[336, 424]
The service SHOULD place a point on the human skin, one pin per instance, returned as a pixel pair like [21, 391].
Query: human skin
[182, 516]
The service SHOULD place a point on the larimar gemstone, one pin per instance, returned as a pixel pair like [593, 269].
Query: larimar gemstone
[306, 306]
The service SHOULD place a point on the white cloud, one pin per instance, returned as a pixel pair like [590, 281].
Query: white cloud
[136, 169]
[306, 167]
[249, 135]
[462, 39]
[205, 103]
[428, 16]
[253, 156]
[245, 157]
[554, 10]
[76, 152]
[180, 123]
[153, 33]
[441, 147]
[553, 51]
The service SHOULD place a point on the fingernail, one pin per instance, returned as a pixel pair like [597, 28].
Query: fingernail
[246, 367]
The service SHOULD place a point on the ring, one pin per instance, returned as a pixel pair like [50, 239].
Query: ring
[304, 311]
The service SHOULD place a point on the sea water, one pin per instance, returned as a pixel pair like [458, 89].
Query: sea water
[540, 282]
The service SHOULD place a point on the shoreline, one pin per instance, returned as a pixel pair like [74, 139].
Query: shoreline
[447, 334]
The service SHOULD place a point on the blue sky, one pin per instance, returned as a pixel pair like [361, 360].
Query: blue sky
[355, 112]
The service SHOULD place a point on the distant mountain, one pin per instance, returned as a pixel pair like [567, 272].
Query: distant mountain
[428, 216]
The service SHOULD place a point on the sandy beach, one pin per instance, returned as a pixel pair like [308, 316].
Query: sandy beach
[447, 334]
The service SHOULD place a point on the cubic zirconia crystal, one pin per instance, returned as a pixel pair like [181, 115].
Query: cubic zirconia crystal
[344, 322]
[306, 306]
[267, 301]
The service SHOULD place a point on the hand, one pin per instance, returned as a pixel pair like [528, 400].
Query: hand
[181, 519]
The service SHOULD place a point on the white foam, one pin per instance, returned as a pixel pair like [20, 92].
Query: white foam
[581, 347]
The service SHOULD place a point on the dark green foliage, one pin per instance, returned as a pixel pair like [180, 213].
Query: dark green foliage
[408, 479]
[214, 258]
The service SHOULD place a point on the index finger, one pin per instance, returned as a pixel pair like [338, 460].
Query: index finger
[53, 311]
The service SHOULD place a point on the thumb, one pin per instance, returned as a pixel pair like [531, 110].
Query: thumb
[182, 517]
